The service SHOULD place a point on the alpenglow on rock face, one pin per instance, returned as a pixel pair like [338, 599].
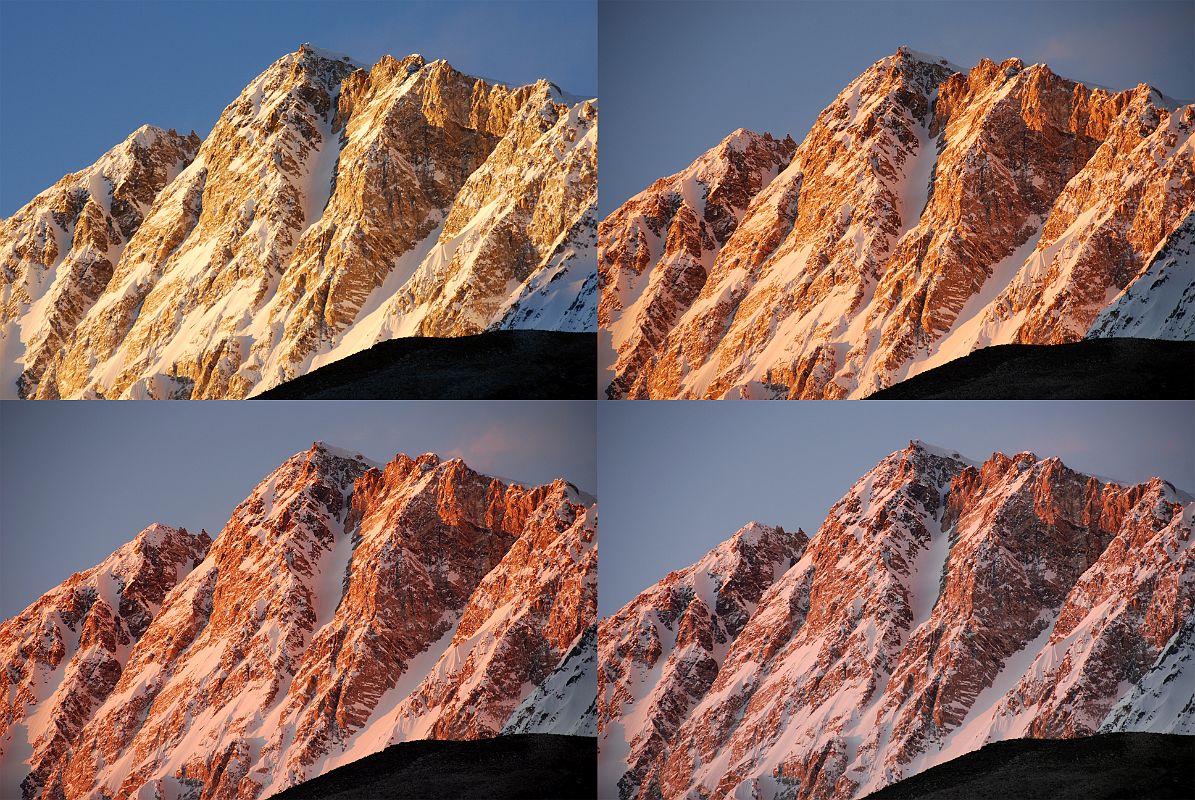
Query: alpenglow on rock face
[344, 607]
[942, 605]
[929, 212]
[332, 206]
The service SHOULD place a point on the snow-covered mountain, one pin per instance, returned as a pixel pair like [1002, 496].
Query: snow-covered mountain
[332, 206]
[943, 604]
[64, 654]
[929, 212]
[345, 606]
[660, 653]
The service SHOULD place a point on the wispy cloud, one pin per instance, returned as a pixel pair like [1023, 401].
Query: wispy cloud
[497, 444]
[1062, 46]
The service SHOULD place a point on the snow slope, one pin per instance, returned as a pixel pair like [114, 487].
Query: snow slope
[566, 701]
[1160, 301]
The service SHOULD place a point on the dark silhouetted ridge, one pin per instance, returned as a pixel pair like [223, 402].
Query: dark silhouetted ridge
[528, 766]
[1110, 765]
[1093, 369]
[497, 365]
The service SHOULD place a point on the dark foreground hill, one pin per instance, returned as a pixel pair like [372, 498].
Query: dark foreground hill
[497, 365]
[1111, 765]
[1093, 369]
[532, 765]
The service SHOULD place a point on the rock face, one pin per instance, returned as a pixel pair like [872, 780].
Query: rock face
[338, 592]
[520, 621]
[659, 654]
[65, 653]
[504, 227]
[929, 212]
[331, 207]
[657, 249]
[942, 605]
[1155, 703]
[59, 252]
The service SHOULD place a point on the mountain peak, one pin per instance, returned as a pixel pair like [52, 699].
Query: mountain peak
[738, 551]
[320, 449]
[307, 66]
[148, 133]
[430, 459]
[919, 445]
[920, 454]
[156, 533]
[308, 50]
[753, 530]
[150, 137]
[1013, 65]
[389, 65]
[905, 53]
[740, 139]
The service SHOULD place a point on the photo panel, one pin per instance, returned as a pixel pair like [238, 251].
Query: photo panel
[298, 599]
[825, 600]
[313, 200]
[902, 200]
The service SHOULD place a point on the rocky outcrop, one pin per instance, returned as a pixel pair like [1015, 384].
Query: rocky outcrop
[942, 605]
[659, 654]
[522, 619]
[345, 606]
[524, 215]
[64, 655]
[59, 252]
[1157, 702]
[331, 207]
[929, 212]
[566, 702]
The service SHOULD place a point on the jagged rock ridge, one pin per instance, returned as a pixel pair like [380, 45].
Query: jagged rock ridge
[345, 606]
[943, 604]
[930, 211]
[332, 206]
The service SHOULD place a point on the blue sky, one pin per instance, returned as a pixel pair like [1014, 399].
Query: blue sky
[77, 480]
[677, 77]
[677, 478]
[76, 78]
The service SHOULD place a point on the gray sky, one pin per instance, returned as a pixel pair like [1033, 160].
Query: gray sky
[677, 478]
[77, 480]
[677, 77]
